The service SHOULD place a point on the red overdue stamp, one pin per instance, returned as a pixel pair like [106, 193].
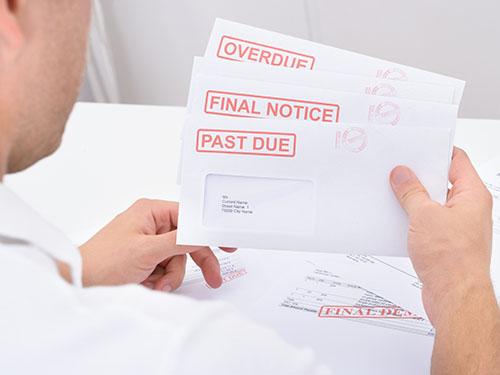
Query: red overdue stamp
[231, 48]
[234, 104]
[246, 142]
[364, 312]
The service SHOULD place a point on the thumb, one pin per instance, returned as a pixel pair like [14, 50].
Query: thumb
[163, 246]
[410, 193]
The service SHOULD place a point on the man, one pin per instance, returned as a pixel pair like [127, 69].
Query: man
[49, 323]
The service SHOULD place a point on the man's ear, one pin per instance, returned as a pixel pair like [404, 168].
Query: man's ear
[11, 34]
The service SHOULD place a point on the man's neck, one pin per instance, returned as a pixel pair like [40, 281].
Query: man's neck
[5, 142]
[3, 165]
[4, 151]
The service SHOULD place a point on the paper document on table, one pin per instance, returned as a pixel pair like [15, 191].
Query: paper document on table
[311, 305]
[392, 277]
[233, 41]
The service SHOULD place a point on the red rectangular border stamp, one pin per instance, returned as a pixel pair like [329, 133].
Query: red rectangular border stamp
[236, 49]
[244, 142]
[296, 109]
[365, 312]
[234, 275]
[227, 278]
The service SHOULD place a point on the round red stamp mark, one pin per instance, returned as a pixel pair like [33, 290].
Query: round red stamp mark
[385, 113]
[354, 140]
[396, 74]
[383, 89]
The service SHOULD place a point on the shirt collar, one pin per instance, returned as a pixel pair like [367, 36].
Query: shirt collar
[19, 221]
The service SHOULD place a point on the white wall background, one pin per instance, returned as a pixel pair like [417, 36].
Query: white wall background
[150, 44]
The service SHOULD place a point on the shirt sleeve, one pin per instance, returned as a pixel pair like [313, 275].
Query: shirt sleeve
[53, 327]
[195, 337]
[228, 343]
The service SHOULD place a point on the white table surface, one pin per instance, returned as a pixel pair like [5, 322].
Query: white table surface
[113, 154]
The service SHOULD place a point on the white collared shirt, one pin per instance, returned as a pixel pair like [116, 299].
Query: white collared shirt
[48, 326]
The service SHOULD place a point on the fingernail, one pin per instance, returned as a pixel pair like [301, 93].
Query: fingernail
[167, 288]
[400, 175]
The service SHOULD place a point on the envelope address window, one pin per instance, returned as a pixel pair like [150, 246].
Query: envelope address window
[258, 204]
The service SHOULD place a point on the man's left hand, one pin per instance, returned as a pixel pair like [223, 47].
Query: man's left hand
[139, 246]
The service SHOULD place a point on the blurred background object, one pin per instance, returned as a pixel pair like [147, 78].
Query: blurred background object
[141, 52]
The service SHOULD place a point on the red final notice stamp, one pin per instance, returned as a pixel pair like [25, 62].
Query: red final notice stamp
[246, 142]
[365, 312]
[236, 49]
[236, 104]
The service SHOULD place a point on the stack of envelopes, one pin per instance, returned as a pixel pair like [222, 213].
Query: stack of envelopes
[289, 144]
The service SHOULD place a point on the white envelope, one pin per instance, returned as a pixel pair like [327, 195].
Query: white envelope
[288, 185]
[240, 98]
[237, 42]
[324, 80]
[214, 96]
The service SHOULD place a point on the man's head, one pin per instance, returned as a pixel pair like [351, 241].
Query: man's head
[42, 58]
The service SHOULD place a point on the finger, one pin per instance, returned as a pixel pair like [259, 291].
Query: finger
[148, 284]
[158, 272]
[164, 246]
[449, 194]
[151, 280]
[410, 193]
[174, 274]
[207, 261]
[228, 249]
[463, 175]
[164, 213]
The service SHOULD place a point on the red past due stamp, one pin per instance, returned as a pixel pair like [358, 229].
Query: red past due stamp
[246, 142]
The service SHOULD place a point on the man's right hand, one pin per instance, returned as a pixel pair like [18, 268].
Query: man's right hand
[450, 247]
